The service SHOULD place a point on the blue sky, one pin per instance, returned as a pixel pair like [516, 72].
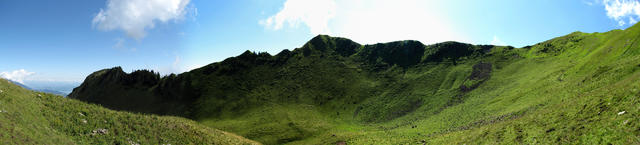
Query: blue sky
[65, 41]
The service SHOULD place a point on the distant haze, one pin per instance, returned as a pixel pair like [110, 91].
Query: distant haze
[61, 86]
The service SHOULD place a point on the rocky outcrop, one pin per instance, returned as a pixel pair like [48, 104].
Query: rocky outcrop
[481, 73]
[140, 91]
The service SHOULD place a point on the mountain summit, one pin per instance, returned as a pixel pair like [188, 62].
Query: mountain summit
[577, 88]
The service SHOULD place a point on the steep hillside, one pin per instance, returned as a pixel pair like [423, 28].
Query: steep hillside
[581, 88]
[143, 91]
[28, 117]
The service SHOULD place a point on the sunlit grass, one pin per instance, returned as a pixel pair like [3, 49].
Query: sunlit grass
[29, 117]
[567, 90]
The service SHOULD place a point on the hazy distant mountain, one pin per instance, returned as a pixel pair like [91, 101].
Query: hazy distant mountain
[62, 88]
[580, 88]
[20, 84]
[53, 92]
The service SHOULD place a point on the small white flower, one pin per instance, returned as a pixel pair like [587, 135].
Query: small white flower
[620, 113]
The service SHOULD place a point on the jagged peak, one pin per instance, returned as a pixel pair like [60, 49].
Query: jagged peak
[402, 42]
[451, 44]
[248, 54]
[328, 44]
[116, 74]
[284, 53]
[112, 70]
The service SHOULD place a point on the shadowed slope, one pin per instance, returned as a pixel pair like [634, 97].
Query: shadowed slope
[28, 117]
[334, 90]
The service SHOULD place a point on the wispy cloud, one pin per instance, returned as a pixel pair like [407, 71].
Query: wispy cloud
[177, 66]
[17, 75]
[497, 41]
[632, 20]
[589, 2]
[121, 44]
[176, 61]
[315, 14]
[368, 21]
[621, 10]
[135, 16]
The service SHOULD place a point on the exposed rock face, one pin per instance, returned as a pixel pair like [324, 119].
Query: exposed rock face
[481, 73]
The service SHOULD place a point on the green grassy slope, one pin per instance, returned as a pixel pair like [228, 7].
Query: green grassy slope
[29, 117]
[584, 92]
[570, 89]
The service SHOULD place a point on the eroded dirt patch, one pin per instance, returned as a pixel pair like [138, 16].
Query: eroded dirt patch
[481, 73]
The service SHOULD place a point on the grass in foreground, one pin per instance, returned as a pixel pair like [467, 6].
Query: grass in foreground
[29, 117]
[582, 88]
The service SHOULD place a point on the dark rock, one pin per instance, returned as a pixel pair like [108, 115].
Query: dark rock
[550, 130]
[481, 72]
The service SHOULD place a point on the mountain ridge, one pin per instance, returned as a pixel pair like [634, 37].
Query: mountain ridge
[334, 90]
[375, 55]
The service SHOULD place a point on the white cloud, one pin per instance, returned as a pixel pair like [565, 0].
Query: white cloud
[497, 41]
[369, 21]
[591, 2]
[313, 13]
[373, 21]
[135, 16]
[588, 3]
[177, 66]
[119, 43]
[620, 10]
[632, 20]
[17, 75]
[176, 61]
